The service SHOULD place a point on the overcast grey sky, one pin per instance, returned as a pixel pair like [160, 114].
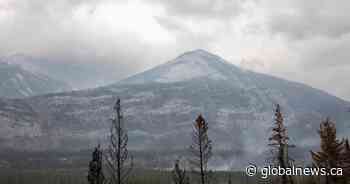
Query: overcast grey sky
[301, 40]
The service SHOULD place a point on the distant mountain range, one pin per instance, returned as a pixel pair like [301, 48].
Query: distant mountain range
[161, 104]
[17, 82]
[77, 74]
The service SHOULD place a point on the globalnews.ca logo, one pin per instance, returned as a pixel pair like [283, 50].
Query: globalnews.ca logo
[265, 172]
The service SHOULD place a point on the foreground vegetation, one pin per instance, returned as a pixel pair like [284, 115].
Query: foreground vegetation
[139, 176]
[78, 176]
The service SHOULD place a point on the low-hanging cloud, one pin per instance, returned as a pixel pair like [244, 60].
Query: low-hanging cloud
[306, 41]
[318, 33]
[304, 19]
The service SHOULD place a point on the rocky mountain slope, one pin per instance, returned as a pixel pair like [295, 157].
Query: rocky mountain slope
[77, 74]
[160, 105]
[17, 82]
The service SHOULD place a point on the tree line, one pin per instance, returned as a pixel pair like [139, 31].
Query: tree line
[118, 163]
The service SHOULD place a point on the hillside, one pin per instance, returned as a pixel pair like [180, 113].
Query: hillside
[160, 105]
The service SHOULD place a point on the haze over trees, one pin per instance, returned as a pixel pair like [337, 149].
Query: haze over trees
[114, 164]
[334, 153]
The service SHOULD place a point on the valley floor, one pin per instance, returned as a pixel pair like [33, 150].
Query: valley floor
[139, 176]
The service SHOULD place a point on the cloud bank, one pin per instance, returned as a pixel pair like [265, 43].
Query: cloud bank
[305, 41]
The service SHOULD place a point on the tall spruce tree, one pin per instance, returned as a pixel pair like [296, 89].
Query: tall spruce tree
[331, 154]
[95, 174]
[279, 141]
[201, 149]
[119, 162]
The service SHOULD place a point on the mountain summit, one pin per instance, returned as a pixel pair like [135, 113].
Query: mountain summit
[190, 65]
[160, 105]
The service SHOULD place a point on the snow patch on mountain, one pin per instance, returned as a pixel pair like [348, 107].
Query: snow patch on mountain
[191, 65]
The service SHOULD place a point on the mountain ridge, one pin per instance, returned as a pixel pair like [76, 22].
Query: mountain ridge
[159, 114]
[18, 82]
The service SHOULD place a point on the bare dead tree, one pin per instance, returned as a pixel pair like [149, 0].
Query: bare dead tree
[95, 174]
[279, 141]
[201, 149]
[119, 162]
[179, 175]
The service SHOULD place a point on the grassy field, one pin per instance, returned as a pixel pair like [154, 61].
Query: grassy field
[139, 176]
[78, 176]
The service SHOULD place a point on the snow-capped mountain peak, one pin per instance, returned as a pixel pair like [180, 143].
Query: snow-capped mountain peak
[190, 65]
